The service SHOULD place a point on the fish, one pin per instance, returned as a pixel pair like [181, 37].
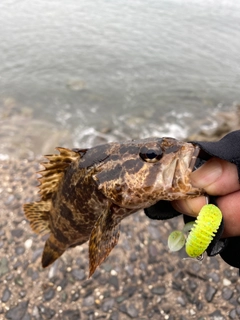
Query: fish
[85, 193]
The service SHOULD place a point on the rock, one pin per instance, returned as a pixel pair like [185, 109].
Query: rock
[233, 314]
[19, 250]
[181, 301]
[113, 280]
[160, 290]
[18, 312]
[227, 293]
[3, 266]
[48, 313]
[132, 311]
[210, 293]
[75, 296]
[108, 305]
[88, 301]
[71, 315]
[78, 274]
[49, 294]
[216, 315]
[17, 233]
[6, 295]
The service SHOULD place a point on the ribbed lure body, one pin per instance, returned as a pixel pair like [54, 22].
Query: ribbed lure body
[203, 230]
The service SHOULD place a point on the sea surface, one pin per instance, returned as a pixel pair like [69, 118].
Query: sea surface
[100, 70]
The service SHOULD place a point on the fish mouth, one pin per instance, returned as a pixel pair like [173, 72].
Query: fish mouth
[194, 157]
[184, 166]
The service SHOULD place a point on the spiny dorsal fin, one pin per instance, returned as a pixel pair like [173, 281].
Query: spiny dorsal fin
[38, 215]
[54, 170]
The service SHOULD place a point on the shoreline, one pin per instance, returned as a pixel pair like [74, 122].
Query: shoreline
[140, 279]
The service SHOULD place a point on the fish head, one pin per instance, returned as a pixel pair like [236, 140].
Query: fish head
[138, 173]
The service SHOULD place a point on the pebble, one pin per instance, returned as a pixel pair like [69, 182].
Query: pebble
[108, 305]
[88, 301]
[132, 311]
[113, 280]
[210, 293]
[216, 315]
[6, 295]
[181, 301]
[78, 274]
[18, 312]
[19, 250]
[49, 294]
[47, 312]
[75, 296]
[17, 233]
[160, 290]
[227, 293]
[3, 266]
[71, 315]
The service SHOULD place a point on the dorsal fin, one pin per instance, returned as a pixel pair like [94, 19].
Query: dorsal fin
[54, 170]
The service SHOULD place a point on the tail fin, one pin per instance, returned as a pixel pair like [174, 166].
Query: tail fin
[53, 249]
[38, 215]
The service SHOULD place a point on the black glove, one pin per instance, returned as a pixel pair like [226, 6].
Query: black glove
[228, 148]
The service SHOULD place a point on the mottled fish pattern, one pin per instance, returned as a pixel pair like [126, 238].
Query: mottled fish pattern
[85, 193]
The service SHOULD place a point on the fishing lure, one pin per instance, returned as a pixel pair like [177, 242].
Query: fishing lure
[202, 232]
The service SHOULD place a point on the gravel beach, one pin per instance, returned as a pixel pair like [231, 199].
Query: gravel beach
[140, 279]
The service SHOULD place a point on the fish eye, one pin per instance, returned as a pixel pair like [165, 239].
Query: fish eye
[150, 155]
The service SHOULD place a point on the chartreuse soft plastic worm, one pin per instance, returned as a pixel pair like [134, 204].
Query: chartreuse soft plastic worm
[203, 230]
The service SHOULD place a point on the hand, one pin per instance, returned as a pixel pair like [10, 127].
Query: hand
[218, 178]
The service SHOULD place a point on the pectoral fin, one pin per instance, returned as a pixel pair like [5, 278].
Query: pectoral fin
[103, 239]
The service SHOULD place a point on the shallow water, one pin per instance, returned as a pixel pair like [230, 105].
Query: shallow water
[105, 70]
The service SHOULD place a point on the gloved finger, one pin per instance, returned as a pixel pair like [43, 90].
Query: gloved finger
[217, 177]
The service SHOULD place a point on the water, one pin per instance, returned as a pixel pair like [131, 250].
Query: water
[119, 69]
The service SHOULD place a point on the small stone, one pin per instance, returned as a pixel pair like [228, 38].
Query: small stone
[49, 294]
[78, 274]
[216, 315]
[19, 250]
[130, 291]
[17, 312]
[3, 267]
[210, 293]
[113, 280]
[214, 276]
[22, 294]
[181, 301]
[17, 233]
[160, 290]
[227, 293]
[71, 315]
[114, 316]
[6, 295]
[153, 254]
[75, 296]
[19, 281]
[233, 314]
[48, 313]
[226, 282]
[88, 301]
[108, 305]
[132, 311]
[192, 285]
[154, 232]
[28, 243]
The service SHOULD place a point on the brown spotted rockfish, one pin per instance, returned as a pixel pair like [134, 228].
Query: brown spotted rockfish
[85, 193]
